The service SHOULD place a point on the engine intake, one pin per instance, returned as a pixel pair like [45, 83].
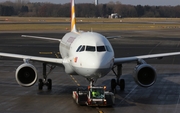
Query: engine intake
[145, 75]
[26, 75]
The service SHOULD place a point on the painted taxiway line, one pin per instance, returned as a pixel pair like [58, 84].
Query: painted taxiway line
[75, 80]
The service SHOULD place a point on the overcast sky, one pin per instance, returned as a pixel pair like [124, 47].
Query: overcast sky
[132, 2]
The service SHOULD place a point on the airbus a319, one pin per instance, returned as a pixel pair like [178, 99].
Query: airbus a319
[78, 46]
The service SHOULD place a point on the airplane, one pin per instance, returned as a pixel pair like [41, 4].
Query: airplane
[87, 54]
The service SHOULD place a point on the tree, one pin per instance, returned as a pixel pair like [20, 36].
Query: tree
[0, 10]
[7, 10]
[139, 10]
[24, 9]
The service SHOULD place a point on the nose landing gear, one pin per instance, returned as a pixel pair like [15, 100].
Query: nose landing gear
[91, 82]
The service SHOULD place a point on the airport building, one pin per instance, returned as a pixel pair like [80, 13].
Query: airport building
[114, 15]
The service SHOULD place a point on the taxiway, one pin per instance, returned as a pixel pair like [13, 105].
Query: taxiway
[163, 96]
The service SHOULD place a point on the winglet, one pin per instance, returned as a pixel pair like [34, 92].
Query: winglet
[73, 17]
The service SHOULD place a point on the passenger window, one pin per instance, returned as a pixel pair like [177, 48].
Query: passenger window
[101, 48]
[82, 48]
[90, 48]
[79, 48]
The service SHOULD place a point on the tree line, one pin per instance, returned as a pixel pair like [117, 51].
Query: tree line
[38, 9]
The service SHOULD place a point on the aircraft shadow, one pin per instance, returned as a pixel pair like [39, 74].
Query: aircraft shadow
[165, 91]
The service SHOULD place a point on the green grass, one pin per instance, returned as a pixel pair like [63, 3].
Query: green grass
[30, 27]
[95, 24]
[60, 19]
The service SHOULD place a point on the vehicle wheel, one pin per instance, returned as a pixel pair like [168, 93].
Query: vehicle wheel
[49, 84]
[113, 84]
[40, 84]
[122, 84]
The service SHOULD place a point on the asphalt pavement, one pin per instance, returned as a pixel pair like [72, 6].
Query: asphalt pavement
[163, 96]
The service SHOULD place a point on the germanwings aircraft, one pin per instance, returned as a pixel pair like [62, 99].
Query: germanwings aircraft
[88, 54]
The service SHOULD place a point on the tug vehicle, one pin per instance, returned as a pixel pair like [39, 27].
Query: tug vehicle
[94, 96]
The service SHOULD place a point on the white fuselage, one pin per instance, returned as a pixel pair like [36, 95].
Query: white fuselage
[88, 54]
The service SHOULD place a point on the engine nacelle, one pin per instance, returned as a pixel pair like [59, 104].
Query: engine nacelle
[26, 75]
[144, 75]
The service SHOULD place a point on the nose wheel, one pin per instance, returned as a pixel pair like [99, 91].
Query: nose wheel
[118, 82]
[91, 82]
[45, 82]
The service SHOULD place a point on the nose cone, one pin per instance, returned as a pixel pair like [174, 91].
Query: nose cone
[97, 65]
[99, 61]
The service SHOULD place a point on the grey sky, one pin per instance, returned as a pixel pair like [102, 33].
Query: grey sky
[132, 2]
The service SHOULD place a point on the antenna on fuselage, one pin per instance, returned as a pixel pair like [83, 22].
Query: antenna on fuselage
[73, 17]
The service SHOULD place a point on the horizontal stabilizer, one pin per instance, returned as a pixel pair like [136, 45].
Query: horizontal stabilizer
[44, 38]
[112, 37]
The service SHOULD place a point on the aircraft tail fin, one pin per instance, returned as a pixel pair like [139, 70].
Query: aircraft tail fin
[73, 17]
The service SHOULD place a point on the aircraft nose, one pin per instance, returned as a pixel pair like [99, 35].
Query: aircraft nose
[95, 65]
[99, 61]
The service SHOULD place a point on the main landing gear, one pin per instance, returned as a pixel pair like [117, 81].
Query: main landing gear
[118, 81]
[45, 81]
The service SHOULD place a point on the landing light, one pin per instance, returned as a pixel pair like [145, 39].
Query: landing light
[75, 59]
[104, 87]
[105, 102]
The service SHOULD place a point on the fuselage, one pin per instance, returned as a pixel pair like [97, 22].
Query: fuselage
[88, 54]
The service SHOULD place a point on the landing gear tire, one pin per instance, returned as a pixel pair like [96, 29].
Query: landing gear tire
[49, 84]
[113, 84]
[45, 81]
[122, 84]
[40, 84]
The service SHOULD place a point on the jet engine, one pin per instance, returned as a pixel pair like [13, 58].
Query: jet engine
[144, 75]
[26, 75]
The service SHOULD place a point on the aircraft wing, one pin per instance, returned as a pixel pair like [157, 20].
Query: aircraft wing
[136, 58]
[56, 61]
[33, 58]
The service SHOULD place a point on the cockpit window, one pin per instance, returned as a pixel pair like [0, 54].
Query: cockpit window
[90, 48]
[79, 48]
[101, 48]
[82, 48]
[93, 48]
